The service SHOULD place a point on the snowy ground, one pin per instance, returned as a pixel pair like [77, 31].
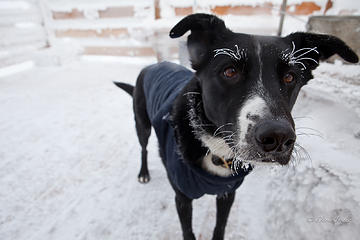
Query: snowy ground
[69, 158]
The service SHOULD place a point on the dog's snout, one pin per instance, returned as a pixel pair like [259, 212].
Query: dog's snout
[275, 136]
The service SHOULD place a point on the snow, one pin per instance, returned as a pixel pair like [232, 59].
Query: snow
[25, 25]
[8, 5]
[70, 158]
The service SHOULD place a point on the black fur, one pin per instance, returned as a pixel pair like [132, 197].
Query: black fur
[126, 87]
[259, 72]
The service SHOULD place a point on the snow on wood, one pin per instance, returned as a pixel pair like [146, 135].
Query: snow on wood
[11, 17]
[21, 35]
[17, 68]
[21, 26]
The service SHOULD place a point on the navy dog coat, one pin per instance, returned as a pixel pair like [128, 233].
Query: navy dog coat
[162, 84]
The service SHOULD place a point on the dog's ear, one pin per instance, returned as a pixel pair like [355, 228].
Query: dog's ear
[199, 22]
[324, 45]
[205, 29]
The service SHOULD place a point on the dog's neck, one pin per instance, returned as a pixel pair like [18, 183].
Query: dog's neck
[193, 130]
[203, 129]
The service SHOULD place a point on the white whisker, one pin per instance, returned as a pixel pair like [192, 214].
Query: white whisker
[311, 49]
[293, 49]
[221, 133]
[221, 127]
[296, 62]
[300, 59]
[292, 59]
[236, 54]
[303, 49]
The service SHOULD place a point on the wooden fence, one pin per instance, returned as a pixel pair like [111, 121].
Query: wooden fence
[22, 30]
[127, 27]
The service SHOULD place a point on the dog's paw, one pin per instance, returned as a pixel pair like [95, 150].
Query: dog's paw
[144, 178]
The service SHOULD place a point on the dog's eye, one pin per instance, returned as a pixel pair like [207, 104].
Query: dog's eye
[288, 78]
[230, 72]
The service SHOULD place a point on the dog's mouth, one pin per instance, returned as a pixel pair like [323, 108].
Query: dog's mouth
[279, 160]
[250, 155]
[244, 165]
[241, 155]
[268, 160]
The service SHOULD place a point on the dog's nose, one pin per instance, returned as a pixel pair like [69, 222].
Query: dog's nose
[275, 136]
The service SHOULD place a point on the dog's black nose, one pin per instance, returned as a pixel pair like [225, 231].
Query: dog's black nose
[275, 136]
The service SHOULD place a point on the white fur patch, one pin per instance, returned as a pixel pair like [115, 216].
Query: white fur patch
[208, 165]
[258, 51]
[217, 146]
[253, 106]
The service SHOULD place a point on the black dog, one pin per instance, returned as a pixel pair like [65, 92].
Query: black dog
[214, 125]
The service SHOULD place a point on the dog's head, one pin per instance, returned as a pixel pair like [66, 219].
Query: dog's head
[250, 83]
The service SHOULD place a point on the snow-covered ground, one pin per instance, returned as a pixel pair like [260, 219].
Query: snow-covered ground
[69, 158]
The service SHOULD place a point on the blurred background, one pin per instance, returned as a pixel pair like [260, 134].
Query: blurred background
[64, 29]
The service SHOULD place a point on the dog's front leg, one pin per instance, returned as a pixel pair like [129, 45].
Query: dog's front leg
[223, 206]
[184, 209]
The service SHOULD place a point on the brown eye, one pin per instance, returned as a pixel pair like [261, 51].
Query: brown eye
[230, 72]
[288, 78]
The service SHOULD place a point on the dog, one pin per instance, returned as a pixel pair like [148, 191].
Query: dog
[216, 124]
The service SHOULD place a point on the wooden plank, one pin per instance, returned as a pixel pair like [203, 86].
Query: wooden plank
[7, 20]
[17, 54]
[73, 14]
[119, 51]
[264, 9]
[22, 49]
[12, 16]
[117, 12]
[91, 33]
[183, 11]
[19, 45]
[18, 36]
[110, 12]
[304, 8]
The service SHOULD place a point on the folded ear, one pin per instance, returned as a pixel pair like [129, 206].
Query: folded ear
[197, 22]
[324, 46]
[205, 29]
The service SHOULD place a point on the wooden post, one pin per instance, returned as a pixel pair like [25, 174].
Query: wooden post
[194, 8]
[157, 9]
[46, 22]
[329, 4]
[282, 16]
